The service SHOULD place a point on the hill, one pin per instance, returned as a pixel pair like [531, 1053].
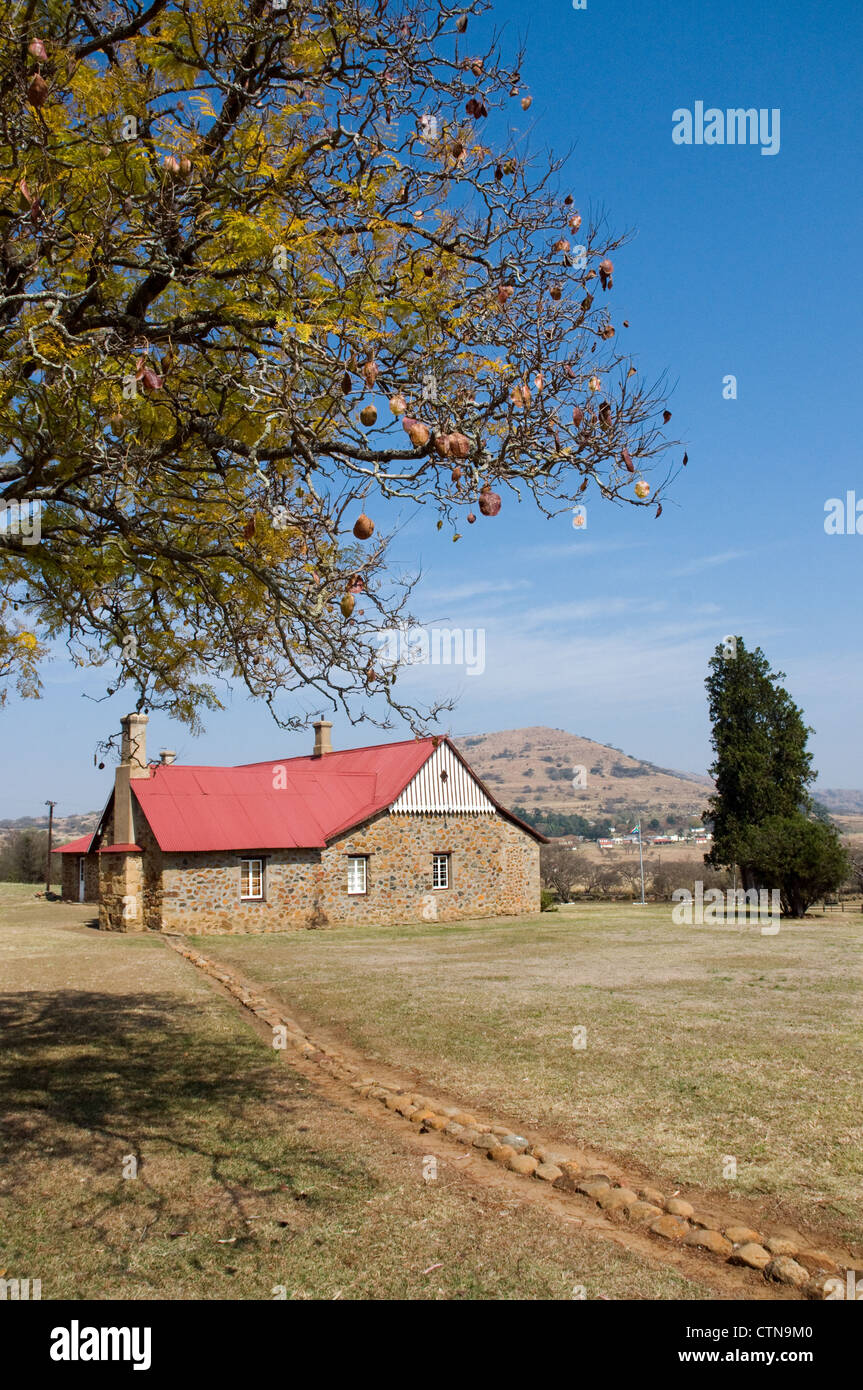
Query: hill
[66, 828]
[534, 768]
[840, 801]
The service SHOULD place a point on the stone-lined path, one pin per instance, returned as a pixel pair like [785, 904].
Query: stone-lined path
[693, 1235]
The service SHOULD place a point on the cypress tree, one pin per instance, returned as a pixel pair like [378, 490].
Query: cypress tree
[761, 767]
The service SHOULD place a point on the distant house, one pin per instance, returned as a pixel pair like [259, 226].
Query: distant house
[400, 832]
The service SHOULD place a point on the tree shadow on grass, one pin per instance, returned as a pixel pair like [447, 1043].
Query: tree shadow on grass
[94, 1076]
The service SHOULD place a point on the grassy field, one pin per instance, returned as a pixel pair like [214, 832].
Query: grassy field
[248, 1181]
[702, 1043]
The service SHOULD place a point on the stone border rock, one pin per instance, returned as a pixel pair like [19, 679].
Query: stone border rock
[672, 1219]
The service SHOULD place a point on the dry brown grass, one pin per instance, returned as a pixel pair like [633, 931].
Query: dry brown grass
[701, 1043]
[114, 1046]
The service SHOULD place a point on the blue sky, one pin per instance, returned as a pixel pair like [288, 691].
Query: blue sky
[740, 264]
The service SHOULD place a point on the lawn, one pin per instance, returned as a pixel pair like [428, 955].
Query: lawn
[702, 1044]
[249, 1182]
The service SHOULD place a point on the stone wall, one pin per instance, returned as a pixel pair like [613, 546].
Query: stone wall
[131, 876]
[494, 872]
[201, 892]
[121, 883]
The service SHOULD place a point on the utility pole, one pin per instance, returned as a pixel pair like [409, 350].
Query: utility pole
[50, 805]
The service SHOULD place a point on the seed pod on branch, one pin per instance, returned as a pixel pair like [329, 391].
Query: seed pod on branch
[459, 446]
[416, 431]
[37, 92]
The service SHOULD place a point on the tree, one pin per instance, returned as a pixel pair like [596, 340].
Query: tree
[855, 868]
[23, 857]
[802, 857]
[603, 880]
[762, 768]
[20, 653]
[264, 278]
[559, 869]
[554, 823]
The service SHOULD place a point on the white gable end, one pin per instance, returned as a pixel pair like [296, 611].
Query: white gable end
[443, 784]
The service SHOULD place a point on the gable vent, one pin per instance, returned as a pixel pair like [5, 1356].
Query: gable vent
[443, 784]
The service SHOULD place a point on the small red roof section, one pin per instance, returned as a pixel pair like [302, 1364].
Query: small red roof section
[121, 849]
[288, 803]
[80, 846]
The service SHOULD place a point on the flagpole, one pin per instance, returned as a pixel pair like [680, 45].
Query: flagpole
[641, 862]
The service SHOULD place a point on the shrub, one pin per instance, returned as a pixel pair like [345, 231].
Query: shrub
[23, 857]
[803, 858]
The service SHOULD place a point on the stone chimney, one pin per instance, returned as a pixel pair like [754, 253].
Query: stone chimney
[167, 756]
[133, 763]
[323, 742]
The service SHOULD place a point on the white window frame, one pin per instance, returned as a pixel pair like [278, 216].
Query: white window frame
[246, 880]
[447, 876]
[354, 859]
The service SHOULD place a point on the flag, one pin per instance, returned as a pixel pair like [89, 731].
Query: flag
[636, 829]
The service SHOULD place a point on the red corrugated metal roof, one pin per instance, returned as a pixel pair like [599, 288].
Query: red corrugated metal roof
[288, 803]
[79, 846]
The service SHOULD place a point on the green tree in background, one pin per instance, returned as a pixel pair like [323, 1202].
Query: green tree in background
[762, 768]
[801, 857]
[23, 857]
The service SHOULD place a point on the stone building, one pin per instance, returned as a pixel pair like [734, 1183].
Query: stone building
[400, 832]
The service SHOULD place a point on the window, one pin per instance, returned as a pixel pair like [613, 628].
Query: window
[251, 878]
[357, 873]
[440, 871]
